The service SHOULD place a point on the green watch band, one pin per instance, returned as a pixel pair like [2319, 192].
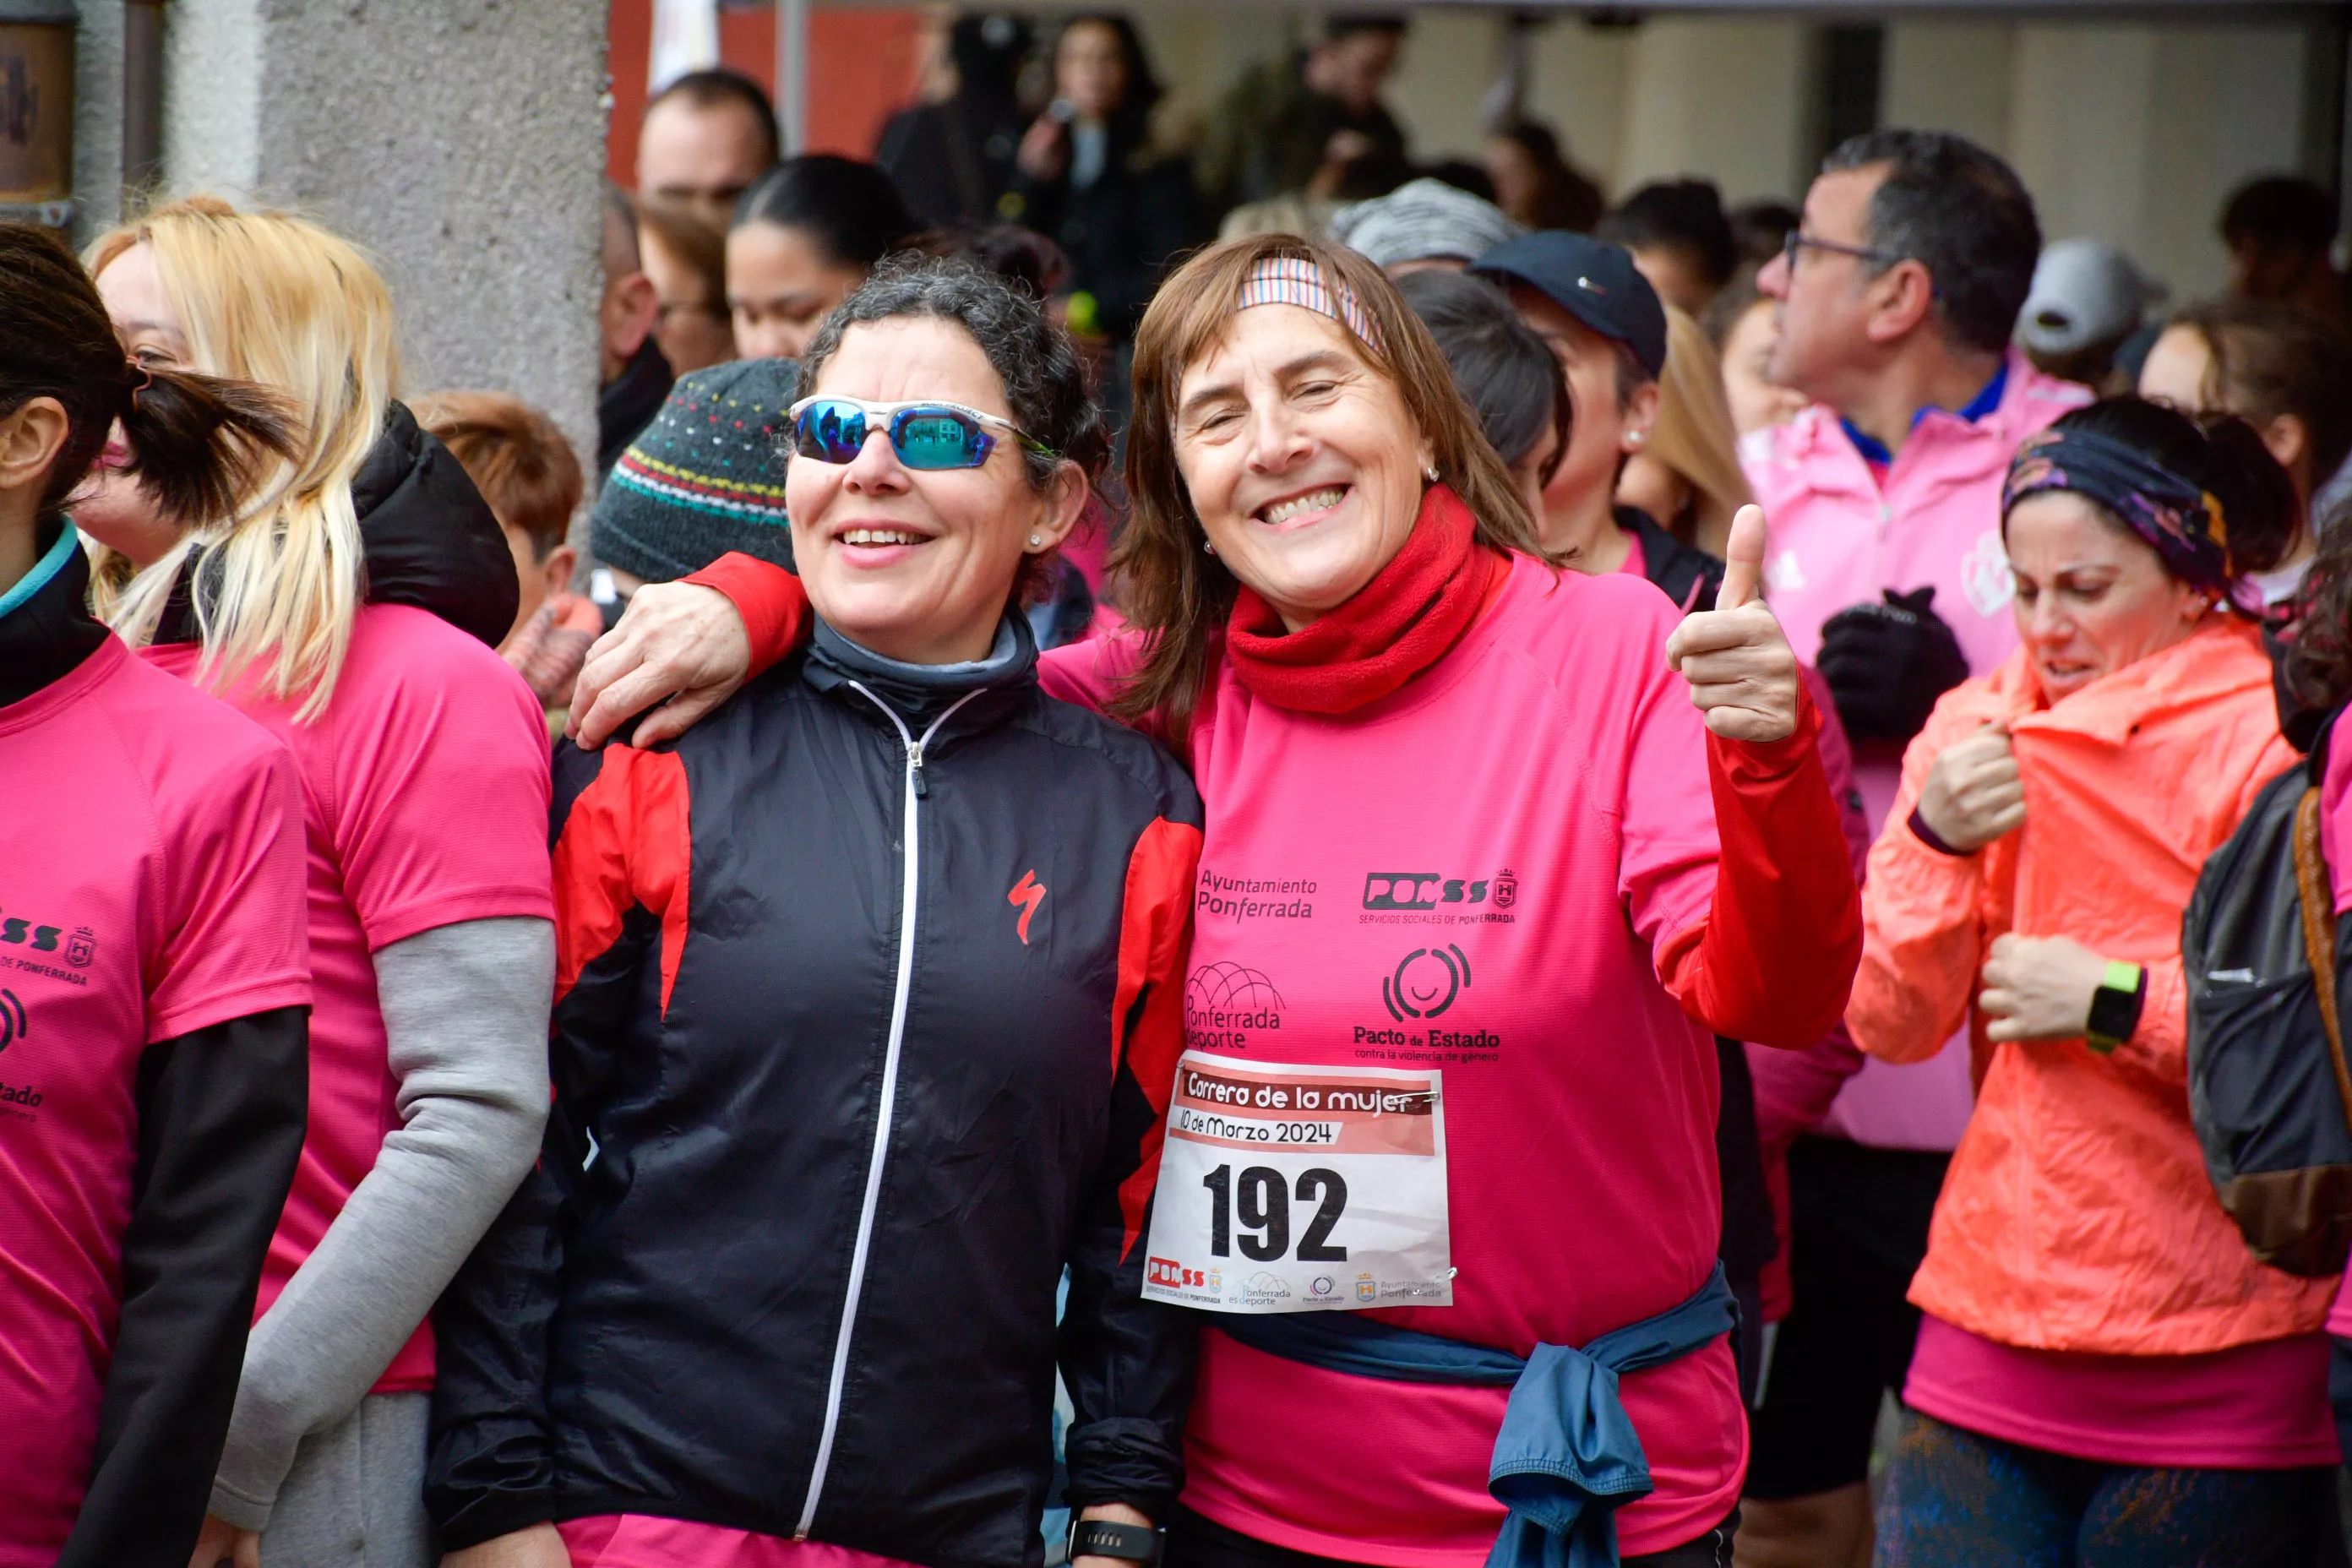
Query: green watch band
[2115, 1006]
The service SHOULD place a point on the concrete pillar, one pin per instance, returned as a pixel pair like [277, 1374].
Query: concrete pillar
[98, 117]
[1451, 59]
[1950, 75]
[2137, 134]
[1577, 83]
[460, 142]
[1727, 98]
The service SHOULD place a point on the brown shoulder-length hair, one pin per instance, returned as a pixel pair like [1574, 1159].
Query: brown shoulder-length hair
[1173, 591]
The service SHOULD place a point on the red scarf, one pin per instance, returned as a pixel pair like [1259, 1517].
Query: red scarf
[1396, 626]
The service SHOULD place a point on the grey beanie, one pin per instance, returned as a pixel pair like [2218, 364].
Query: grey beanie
[1423, 220]
[705, 477]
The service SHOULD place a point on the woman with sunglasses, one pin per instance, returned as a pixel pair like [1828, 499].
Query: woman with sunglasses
[869, 995]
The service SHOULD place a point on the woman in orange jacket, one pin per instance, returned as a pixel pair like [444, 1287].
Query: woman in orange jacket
[2103, 1373]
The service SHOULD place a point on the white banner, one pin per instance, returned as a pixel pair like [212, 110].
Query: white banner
[686, 38]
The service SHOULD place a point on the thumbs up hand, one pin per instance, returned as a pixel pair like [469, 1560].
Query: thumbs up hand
[1741, 672]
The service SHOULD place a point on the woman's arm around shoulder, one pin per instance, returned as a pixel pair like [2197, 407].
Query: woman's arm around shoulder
[1090, 672]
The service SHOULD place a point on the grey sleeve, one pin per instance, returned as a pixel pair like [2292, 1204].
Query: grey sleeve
[465, 1015]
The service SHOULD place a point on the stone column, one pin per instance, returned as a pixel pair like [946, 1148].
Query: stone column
[98, 117]
[460, 142]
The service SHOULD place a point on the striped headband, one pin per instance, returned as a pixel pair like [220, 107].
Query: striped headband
[1296, 281]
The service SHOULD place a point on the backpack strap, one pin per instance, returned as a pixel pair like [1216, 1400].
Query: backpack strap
[2312, 885]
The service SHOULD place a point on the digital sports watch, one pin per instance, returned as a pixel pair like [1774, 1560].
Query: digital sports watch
[2115, 1006]
[1128, 1542]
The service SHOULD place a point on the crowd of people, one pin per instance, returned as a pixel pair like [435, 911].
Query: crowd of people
[1257, 859]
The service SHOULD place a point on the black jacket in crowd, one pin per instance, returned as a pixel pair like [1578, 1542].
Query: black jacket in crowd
[1121, 232]
[869, 996]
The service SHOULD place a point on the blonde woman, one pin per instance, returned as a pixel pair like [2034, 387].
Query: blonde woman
[1688, 475]
[425, 770]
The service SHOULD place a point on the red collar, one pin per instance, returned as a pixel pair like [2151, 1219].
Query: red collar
[1398, 625]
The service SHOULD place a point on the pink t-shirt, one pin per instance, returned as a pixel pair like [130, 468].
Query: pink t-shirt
[150, 885]
[2261, 1406]
[425, 795]
[1546, 787]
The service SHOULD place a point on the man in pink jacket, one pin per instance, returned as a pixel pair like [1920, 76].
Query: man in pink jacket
[1898, 291]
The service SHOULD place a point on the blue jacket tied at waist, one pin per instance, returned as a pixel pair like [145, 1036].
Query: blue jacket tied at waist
[1568, 1456]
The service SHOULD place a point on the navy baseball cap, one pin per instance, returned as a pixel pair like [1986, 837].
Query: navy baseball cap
[1594, 282]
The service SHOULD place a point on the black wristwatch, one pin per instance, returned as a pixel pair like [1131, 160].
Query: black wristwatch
[1128, 1542]
[2115, 1006]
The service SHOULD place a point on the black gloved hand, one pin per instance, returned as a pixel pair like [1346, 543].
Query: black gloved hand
[1886, 664]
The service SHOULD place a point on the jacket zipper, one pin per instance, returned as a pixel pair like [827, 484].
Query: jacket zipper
[911, 883]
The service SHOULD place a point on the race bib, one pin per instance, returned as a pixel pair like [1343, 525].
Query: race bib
[1289, 1189]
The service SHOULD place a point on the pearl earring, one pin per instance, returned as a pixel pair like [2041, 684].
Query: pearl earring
[1208, 547]
[1034, 541]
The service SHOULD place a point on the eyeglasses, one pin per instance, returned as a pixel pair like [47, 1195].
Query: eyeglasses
[928, 436]
[1797, 240]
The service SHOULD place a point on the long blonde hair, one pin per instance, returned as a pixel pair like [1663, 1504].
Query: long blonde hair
[272, 298]
[1693, 436]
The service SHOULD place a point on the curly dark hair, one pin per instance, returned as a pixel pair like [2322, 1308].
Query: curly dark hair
[1046, 382]
[2316, 664]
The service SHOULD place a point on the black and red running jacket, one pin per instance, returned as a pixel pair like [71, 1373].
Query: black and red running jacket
[865, 1024]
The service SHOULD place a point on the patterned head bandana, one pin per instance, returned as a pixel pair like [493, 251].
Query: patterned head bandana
[2180, 523]
[1296, 281]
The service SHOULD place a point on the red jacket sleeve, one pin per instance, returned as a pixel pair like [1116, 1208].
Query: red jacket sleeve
[1147, 1022]
[1775, 955]
[774, 604]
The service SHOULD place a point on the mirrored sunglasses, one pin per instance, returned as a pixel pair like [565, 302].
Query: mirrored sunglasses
[927, 435]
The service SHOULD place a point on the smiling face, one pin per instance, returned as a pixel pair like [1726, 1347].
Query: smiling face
[1300, 458]
[2091, 596]
[918, 566]
[780, 290]
[110, 507]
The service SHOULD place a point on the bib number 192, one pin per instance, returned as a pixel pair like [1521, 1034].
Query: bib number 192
[1297, 1188]
[1262, 1207]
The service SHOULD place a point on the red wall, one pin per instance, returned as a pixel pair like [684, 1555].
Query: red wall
[863, 65]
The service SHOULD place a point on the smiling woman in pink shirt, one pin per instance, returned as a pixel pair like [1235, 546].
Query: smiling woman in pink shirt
[1477, 883]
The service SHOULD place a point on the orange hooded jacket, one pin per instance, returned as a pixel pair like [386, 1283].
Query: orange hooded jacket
[2077, 1214]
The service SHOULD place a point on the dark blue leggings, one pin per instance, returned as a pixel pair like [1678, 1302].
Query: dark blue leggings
[1957, 1500]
